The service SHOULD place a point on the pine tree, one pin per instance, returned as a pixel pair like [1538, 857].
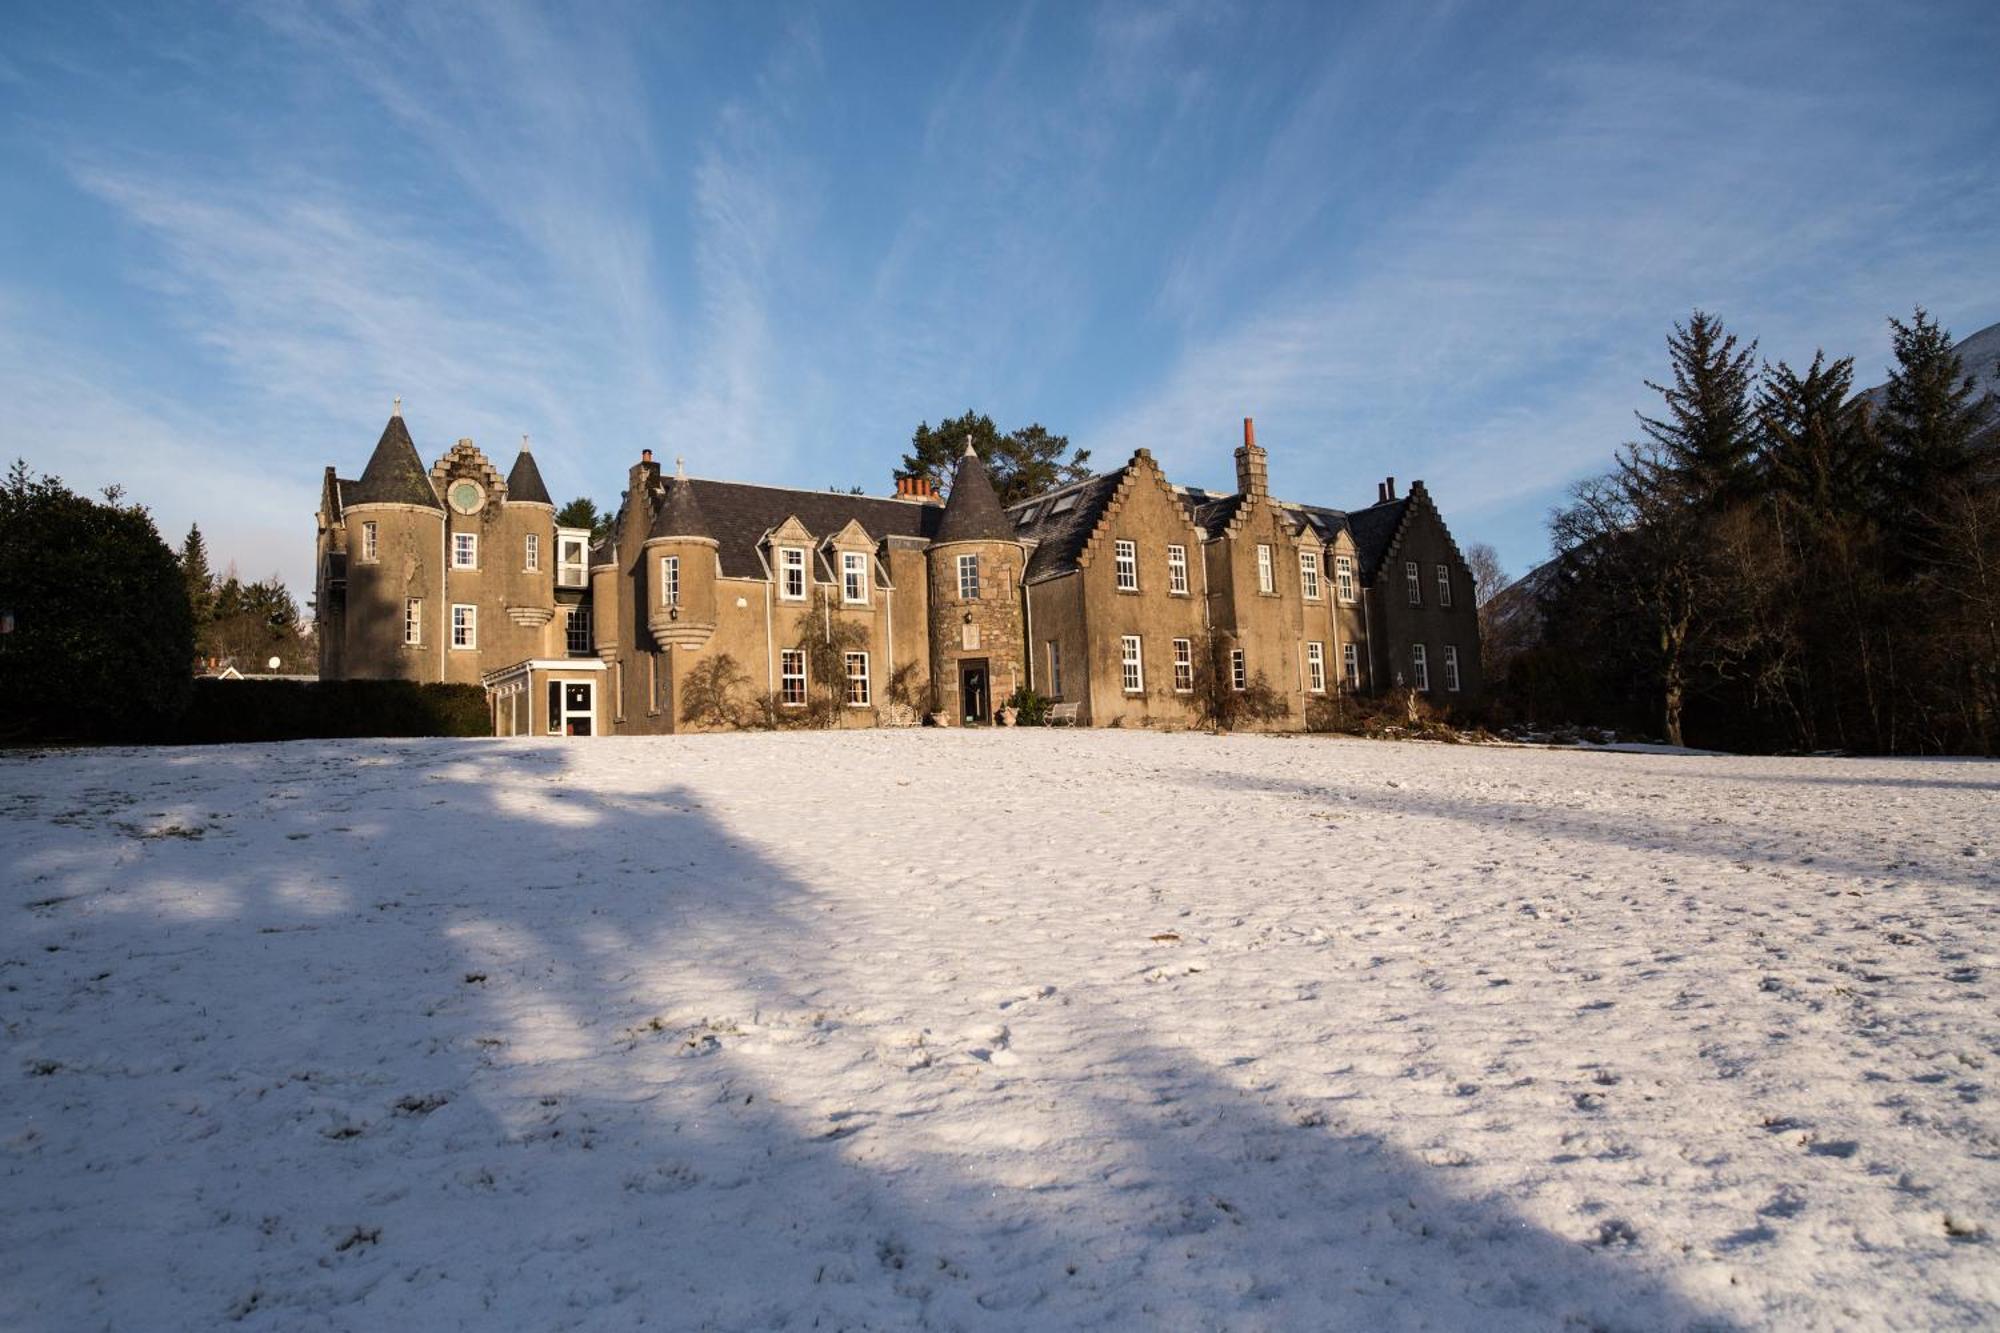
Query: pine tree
[1816, 450]
[1708, 436]
[200, 582]
[1023, 463]
[1932, 413]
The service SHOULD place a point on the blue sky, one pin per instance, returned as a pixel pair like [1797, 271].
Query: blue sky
[1431, 241]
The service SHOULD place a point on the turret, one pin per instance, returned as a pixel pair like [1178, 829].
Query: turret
[397, 619]
[680, 557]
[975, 605]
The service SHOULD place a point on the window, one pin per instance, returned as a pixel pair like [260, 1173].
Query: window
[1420, 667]
[1451, 667]
[968, 578]
[670, 580]
[1350, 664]
[1134, 673]
[792, 677]
[792, 573]
[854, 578]
[371, 548]
[1239, 674]
[531, 559]
[1183, 666]
[1309, 574]
[1316, 667]
[1343, 577]
[465, 550]
[1413, 582]
[466, 497]
[413, 620]
[1177, 583]
[464, 626]
[857, 680]
[1127, 558]
[572, 571]
[1055, 670]
[1264, 582]
[576, 637]
[1063, 504]
[1444, 585]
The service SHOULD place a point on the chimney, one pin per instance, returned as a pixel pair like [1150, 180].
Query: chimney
[1381, 494]
[1252, 476]
[644, 474]
[645, 455]
[916, 488]
[1389, 489]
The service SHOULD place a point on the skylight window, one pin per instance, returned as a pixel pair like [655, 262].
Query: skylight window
[1063, 504]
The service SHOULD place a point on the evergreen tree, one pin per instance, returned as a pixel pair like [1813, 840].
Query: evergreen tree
[1932, 413]
[1708, 437]
[1817, 450]
[200, 582]
[1022, 463]
[578, 513]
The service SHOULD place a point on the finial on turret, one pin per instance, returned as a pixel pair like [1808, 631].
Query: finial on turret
[397, 410]
[680, 467]
[524, 443]
[970, 452]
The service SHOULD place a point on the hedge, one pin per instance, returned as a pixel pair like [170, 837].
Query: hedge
[289, 710]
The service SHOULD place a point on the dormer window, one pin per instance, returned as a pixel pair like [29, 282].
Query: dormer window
[1343, 577]
[854, 578]
[1309, 575]
[792, 573]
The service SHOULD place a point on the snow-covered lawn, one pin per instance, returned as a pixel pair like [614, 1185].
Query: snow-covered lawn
[995, 1031]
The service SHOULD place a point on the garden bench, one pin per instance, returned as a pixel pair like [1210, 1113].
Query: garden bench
[1062, 715]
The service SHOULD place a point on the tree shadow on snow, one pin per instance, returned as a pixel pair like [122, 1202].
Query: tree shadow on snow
[472, 1042]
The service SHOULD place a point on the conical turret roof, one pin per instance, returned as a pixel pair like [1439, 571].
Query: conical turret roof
[972, 512]
[524, 483]
[679, 515]
[394, 475]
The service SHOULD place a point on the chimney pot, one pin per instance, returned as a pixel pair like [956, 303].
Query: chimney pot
[645, 455]
[1381, 494]
[1249, 433]
[1391, 485]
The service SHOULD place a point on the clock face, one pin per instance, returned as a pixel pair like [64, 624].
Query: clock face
[466, 497]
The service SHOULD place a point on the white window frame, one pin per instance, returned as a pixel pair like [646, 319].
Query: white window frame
[670, 580]
[968, 578]
[1125, 560]
[859, 695]
[787, 659]
[1343, 577]
[1350, 661]
[1316, 668]
[1413, 580]
[1055, 669]
[572, 573]
[1444, 585]
[371, 542]
[1451, 668]
[1177, 579]
[854, 578]
[464, 628]
[1132, 664]
[413, 622]
[1420, 667]
[791, 573]
[531, 554]
[1266, 580]
[1239, 671]
[1183, 666]
[1309, 575]
[465, 550]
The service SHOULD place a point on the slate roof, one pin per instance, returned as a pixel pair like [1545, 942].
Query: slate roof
[680, 513]
[1061, 537]
[524, 483]
[394, 475]
[972, 513]
[738, 515]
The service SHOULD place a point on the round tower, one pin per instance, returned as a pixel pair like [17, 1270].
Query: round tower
[975, 570]
[680, 569]
[397, 622]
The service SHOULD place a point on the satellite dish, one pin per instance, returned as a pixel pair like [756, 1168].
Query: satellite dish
[275, 663]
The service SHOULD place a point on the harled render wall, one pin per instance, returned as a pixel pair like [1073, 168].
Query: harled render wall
[1269, 627]
[408, 563]
[1397, 625]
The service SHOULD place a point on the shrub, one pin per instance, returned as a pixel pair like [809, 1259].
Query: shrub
[1030, 709]
[285, 710]
[708, 695]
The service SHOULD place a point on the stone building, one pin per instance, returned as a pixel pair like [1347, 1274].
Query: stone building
[1125, 597]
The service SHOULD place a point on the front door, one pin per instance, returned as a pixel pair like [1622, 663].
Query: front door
[972, 693]
[572, 707]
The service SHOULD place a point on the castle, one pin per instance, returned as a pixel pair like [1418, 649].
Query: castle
[1128, 599]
